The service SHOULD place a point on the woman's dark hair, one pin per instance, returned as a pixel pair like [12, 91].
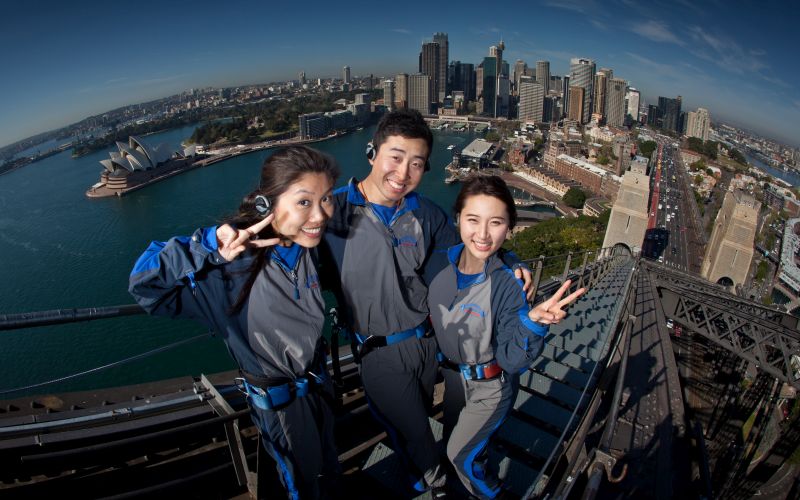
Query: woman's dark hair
[489, 185]
[407, 123]
[285, 167]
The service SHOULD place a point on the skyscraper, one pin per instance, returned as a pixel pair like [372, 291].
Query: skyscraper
[346, 74]
[670, 111]
[519, 70]
[698, 124]
[441, 73]
[429, 65]
[601, 79]
[489, 86]
[401, 91]
[543, 75]
[582, 75]
[419, 85]
[388, 94]
[615, 102]
[576, 102]
[632, 103]
[531, 100]
[302, 77]
[564, 96]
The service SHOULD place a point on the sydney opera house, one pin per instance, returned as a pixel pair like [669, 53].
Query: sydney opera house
[137, 164]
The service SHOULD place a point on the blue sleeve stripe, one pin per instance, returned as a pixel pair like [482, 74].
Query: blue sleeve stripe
[210, 238]
[149, 259]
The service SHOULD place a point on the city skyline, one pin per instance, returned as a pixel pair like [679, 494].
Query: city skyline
[70, 62]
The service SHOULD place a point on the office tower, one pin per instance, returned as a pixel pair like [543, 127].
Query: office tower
[463, 79]
[441, 73]
[490, 78]
[419, 86]
[531, 100]
[576, 102]
[401, 91]
[429, 65]
[654, 116]
[388, 94]
[302, 77]
[520, 67]
[582, 75]
[549, 107]
[601, 79]
[503, 97]
[698, 124]
[670, 112]
[363, 98]
[479, 81]
[615, 102]
[346, 74]
[632, 99]
[543, 75]
[565, 94]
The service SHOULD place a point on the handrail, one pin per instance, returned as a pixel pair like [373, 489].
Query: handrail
[63, 316]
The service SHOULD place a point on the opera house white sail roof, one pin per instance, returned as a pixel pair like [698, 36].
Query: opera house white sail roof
[136, 155]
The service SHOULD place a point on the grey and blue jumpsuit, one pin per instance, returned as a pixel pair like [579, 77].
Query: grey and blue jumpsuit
[376, 255]
[486, 339]
[275, 337]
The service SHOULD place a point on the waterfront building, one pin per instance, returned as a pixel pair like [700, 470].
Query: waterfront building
[543, 75]
[388, 94]
[441, 67]
[478, 153]
[419, 85]
[136, 155]
[615, 102]
[429, 65]
[401, 91]
[632, 103]
[312, 125]
[503, 97]
[346, 75]
[576, 103]
[582, 75]
[698, 124]
[531, 100]
[589, 175]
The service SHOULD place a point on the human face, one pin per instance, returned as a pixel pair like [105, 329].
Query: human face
[302, 211]
[396, 169]
[483, 225]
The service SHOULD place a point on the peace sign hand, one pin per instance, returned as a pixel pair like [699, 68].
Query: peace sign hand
[549, 312]
[232, 242]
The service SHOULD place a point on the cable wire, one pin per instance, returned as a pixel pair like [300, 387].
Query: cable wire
[109, 365]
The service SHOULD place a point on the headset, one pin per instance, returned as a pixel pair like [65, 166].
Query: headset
[372, 152]
[263, 206]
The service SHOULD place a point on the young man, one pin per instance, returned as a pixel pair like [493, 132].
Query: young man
[378, 240]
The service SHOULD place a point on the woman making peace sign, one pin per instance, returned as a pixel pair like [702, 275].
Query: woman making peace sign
[255, 281]
[486, 331]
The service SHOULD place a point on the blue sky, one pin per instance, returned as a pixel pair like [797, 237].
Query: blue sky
[64, 61]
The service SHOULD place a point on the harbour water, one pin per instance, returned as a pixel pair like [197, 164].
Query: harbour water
[62, 250]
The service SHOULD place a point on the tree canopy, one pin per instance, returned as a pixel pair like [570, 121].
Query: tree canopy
[574, 197]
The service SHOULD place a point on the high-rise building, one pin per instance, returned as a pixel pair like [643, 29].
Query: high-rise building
[429, 65]
[401, 91]
[503, 97]
[543, 75]
[576, 103]
[419, 86]
[346, 74]
[388, 94]
[531, 100]
[601, 79]
[302, 77]
[615, 102]
[441, 70]
[564, 96]
[581, 73]
[670, 110]
[698, 124]
[654, 116]
[490, 78]
[363, 98]
[519, 70]
[632, 103]
[462, 78]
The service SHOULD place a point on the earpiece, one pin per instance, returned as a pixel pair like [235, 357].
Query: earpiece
[371, 152]
[263, 206]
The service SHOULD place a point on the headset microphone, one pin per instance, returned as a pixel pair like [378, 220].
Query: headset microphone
[263, 206]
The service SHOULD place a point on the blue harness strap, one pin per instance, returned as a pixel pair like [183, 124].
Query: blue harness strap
[482, 371]
[418, 331]
[276, 396]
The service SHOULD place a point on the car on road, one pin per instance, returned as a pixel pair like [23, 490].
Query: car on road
[669, 323]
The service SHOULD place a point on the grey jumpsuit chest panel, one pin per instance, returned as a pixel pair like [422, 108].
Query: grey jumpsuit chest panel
[282, 329]
[463, 318]
[380, 277]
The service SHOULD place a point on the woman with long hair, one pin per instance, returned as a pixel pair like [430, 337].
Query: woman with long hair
[254, 280]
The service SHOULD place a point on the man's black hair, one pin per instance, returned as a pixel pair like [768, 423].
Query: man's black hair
[406, 123]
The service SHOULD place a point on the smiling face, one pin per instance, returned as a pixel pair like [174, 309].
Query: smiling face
[302, 211]
[483, 224]
[396, 169]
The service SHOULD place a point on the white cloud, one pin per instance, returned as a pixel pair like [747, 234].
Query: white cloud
[656, 31]
[402, 31]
